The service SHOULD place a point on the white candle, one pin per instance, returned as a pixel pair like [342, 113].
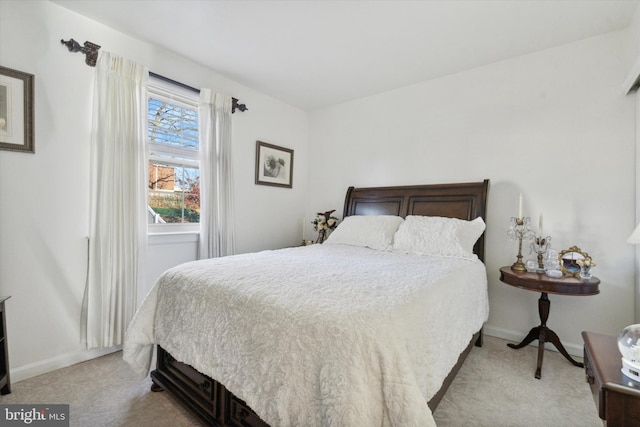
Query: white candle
[540, 225]
[520, 206]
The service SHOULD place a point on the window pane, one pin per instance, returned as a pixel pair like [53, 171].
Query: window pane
[173, 125]
[174, 194]
[174, 177]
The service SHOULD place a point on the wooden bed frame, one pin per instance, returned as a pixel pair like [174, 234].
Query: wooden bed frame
[216, 406]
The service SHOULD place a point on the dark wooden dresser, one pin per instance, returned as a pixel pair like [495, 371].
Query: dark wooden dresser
[617, 397]
[5, 381]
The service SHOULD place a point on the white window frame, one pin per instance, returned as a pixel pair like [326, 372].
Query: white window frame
[172, 92]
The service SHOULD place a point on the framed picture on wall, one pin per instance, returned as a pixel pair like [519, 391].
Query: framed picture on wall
[16, 110]
[274, 165]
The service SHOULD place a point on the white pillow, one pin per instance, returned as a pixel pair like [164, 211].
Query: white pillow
[371, 231]
[434, 235]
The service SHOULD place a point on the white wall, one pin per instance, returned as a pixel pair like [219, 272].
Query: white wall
[554, 126]
[44, 197]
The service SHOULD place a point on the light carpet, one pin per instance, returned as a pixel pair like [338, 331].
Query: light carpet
[494, 388]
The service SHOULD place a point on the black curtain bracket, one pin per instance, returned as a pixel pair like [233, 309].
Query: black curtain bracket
[235, 106]
[89, 49]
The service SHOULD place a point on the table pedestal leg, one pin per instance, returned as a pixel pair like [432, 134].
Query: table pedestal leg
[544, 334]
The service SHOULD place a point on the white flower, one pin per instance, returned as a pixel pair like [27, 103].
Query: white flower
[324, 221]
[587, 262]
[272, 166]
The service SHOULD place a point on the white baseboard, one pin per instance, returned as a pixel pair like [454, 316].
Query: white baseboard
[506, 334]
[58, 362]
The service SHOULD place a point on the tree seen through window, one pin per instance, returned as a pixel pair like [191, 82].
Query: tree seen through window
[174, 173]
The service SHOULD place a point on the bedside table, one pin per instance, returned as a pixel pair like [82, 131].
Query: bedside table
[617, 397]
[539, 282]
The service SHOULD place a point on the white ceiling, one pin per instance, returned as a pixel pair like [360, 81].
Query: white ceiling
[317, 53]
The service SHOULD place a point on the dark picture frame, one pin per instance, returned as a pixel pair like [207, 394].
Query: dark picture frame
[274, 165]
[16, 110]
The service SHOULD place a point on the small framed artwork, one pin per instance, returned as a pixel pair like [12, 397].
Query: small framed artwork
[274, 165]
[572, 259]
[16, 110]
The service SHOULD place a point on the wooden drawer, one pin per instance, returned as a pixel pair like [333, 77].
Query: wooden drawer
[203, 390]
[206, 397]
[193, 379]
[616, 396]
[595, 383]
[241, 415]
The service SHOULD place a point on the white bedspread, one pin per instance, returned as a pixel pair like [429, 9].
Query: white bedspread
[323, 335]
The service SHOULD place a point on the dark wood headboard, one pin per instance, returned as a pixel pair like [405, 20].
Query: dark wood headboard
[464, 201]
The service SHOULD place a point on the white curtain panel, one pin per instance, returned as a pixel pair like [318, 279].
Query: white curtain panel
[217, 225]
[118, 200]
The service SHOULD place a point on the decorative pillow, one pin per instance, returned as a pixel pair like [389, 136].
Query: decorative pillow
[434, 235]
[371, 231]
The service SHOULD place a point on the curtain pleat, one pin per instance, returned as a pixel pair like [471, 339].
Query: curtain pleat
[217, 225]
[118, 201]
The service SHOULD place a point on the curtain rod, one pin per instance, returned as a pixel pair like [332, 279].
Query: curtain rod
[91, 55]
[234, 101]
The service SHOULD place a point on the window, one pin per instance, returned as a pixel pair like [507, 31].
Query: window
[173, 146]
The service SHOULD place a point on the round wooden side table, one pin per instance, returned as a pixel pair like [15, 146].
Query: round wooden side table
[539, 282]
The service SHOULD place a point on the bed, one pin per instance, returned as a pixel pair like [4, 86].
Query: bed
[350, 334]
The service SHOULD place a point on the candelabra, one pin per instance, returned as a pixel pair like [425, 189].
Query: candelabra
[519, 230]
[539, 245]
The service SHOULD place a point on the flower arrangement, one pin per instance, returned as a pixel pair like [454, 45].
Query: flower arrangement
[324, 223]
[585, 267]
[587, 262]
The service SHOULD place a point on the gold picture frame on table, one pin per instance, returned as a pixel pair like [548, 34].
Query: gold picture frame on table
[570, 260]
